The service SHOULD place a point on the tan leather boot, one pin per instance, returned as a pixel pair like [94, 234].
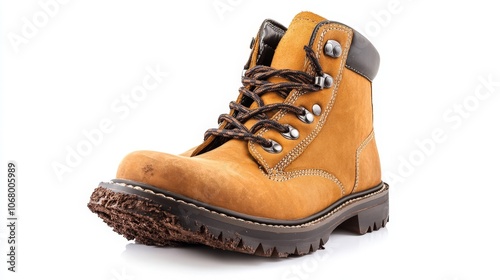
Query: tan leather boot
[294, 159]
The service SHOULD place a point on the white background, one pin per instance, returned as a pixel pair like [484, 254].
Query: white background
[65, 76]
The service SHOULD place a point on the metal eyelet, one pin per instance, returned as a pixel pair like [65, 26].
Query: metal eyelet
[325, 81]
[292, 133]
[333, 48]
[316, 110]
[306, 117]
[274, 148]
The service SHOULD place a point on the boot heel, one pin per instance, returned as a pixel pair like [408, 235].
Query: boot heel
[369, 219]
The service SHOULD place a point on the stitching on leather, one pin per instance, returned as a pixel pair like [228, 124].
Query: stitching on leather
[285, 176]
[281, 113]
[297, 150]
[307, 19]
[276, 28]
[384, 188]
[357, 71]
[358, 154]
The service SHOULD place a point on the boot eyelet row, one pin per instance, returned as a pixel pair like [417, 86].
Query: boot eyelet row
[291, 134]
[274, 148]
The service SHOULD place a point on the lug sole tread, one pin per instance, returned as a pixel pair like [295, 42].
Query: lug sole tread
[143, 220]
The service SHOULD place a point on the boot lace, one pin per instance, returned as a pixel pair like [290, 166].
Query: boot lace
[255, 84]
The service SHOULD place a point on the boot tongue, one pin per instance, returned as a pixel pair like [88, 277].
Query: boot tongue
[290, 51]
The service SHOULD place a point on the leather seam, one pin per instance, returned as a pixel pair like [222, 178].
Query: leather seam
[307, 19]
[358, 72]
[285, 176]
[280, 114]
[277, 29]
[298, 149]
[327, 215]
[358, 154]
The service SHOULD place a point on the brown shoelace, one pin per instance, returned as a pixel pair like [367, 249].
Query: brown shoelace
[255, 84]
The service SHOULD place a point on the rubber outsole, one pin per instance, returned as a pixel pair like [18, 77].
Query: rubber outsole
[150, 217]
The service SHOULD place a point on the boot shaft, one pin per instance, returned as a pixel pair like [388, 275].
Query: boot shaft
[339, 141]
